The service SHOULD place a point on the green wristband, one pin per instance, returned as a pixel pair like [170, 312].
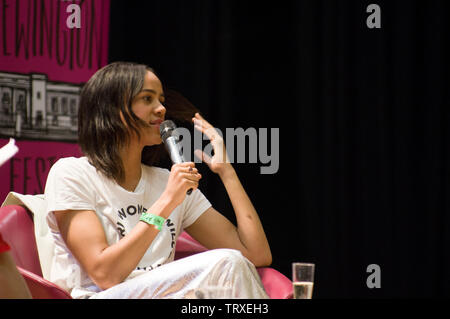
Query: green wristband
[155, 220]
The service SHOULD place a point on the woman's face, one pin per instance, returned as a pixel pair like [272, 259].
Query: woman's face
[147, 105]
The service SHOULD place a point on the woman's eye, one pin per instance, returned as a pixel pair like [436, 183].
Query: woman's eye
[147, 98]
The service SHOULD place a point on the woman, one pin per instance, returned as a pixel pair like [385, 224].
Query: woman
[115, 220]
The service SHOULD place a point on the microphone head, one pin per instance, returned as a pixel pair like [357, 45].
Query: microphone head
[166, 128]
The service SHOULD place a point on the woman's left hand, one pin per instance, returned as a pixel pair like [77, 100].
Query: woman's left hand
[219, 162]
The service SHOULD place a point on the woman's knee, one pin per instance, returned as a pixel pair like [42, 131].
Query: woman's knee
[232, 256]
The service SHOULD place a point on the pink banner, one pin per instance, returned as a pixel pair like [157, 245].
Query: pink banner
[42, 36]
[48, 49]
[27, 171]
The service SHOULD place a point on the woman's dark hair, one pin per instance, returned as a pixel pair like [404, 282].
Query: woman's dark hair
[101, 129]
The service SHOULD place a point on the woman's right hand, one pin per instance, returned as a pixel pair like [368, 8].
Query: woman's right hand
[182, 177]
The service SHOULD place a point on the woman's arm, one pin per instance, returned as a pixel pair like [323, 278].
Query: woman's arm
[108, 265]
[212, 229]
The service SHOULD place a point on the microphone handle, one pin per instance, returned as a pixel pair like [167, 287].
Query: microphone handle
[174, 153]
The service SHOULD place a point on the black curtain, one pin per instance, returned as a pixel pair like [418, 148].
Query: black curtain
[363, 118]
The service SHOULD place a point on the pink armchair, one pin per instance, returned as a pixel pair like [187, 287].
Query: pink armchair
[16, 227]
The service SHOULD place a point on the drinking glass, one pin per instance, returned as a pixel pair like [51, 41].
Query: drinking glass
[303, 280]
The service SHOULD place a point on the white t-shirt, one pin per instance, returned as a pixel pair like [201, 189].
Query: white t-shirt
[74, 184]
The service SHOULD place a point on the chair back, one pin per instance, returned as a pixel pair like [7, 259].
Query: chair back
[17, 229]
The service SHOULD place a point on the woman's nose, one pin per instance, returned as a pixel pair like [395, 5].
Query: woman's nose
[160, 110]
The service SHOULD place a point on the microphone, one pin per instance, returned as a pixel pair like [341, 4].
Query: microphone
[170, 140]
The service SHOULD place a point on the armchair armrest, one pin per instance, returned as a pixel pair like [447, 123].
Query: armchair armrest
[41, 288]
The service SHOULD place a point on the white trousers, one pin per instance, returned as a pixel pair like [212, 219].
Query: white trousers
[184, 277]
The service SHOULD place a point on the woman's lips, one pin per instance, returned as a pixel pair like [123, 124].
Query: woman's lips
[156, 124]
